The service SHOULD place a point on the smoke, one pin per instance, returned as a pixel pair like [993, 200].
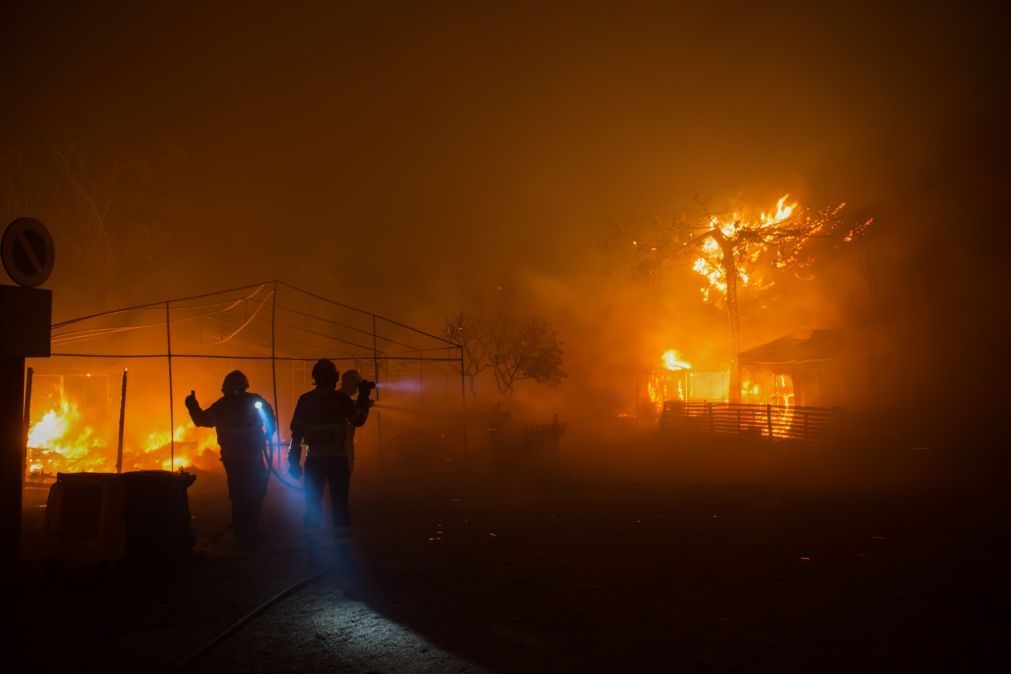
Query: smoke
[418, 163]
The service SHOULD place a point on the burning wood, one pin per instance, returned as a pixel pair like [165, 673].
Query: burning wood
[60, 440]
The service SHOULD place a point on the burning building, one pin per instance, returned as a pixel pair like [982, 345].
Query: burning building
[678, 380]
[818, 368]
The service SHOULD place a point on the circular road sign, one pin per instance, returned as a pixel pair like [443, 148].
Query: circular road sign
[28, 252]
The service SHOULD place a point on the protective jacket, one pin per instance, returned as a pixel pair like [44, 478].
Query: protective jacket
[325, 420]
[242, 427]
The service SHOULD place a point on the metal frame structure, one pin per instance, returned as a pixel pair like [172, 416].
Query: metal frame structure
[411, 352]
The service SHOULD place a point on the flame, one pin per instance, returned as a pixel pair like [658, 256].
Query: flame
[751, 238]
[60, 441]
[185, 435]
[777, 392]
[59, 438]
[783, 212]
[661, 386]
[673, 360]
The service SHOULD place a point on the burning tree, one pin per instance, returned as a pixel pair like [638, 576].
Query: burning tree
[745, 249]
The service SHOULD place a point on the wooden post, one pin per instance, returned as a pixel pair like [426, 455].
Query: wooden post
[805, 427]
[463, 406]
[273, 365]
[637, 396]
[712, 427]
[122, 419]
[768, 416]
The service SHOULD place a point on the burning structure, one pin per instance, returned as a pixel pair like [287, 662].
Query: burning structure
[751, 249]
[745, 249]
[678, 380]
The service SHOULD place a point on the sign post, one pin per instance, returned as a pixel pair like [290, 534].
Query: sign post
[26, 313]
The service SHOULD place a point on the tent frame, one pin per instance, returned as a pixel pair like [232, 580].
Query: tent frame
[377, 355]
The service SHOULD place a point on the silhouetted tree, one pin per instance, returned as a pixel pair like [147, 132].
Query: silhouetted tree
[471, 333]
[92, 192]
[524, 348]
[513, 348]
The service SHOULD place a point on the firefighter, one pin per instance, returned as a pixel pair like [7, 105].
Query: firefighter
[244, 421]
[325, 419]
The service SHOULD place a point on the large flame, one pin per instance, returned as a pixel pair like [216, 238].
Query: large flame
[60, 441]
[783, 212]
[710, 262]
[661, 386]
[674, 360]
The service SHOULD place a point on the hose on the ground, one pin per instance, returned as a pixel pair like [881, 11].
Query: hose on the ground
[203, 650]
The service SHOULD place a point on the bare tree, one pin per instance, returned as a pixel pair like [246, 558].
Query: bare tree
[91, 191]
[513, 348]
[471, 333]
[524, 348]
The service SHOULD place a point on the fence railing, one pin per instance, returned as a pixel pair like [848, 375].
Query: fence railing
[816, 425]
[545, 436]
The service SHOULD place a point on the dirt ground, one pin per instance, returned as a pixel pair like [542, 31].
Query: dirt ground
[673, 555]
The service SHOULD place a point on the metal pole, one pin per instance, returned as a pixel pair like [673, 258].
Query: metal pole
[375, 365]
[30, 375]
[171, 402]
[273, 364]
[463, 407]
[122, 418]
[637, 406]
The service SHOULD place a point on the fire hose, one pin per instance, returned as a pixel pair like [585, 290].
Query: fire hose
[203, 650]
[268, 454]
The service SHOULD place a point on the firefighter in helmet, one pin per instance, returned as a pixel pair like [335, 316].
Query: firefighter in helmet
[244, 422]
[325, 419]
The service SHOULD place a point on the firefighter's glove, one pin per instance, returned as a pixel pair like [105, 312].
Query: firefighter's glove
[295, 470]
[191, 400]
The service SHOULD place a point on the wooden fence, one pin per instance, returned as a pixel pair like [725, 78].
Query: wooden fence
[543, 436]
[815, 425]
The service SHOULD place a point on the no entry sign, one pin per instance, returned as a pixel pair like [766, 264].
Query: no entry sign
[28, 252]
